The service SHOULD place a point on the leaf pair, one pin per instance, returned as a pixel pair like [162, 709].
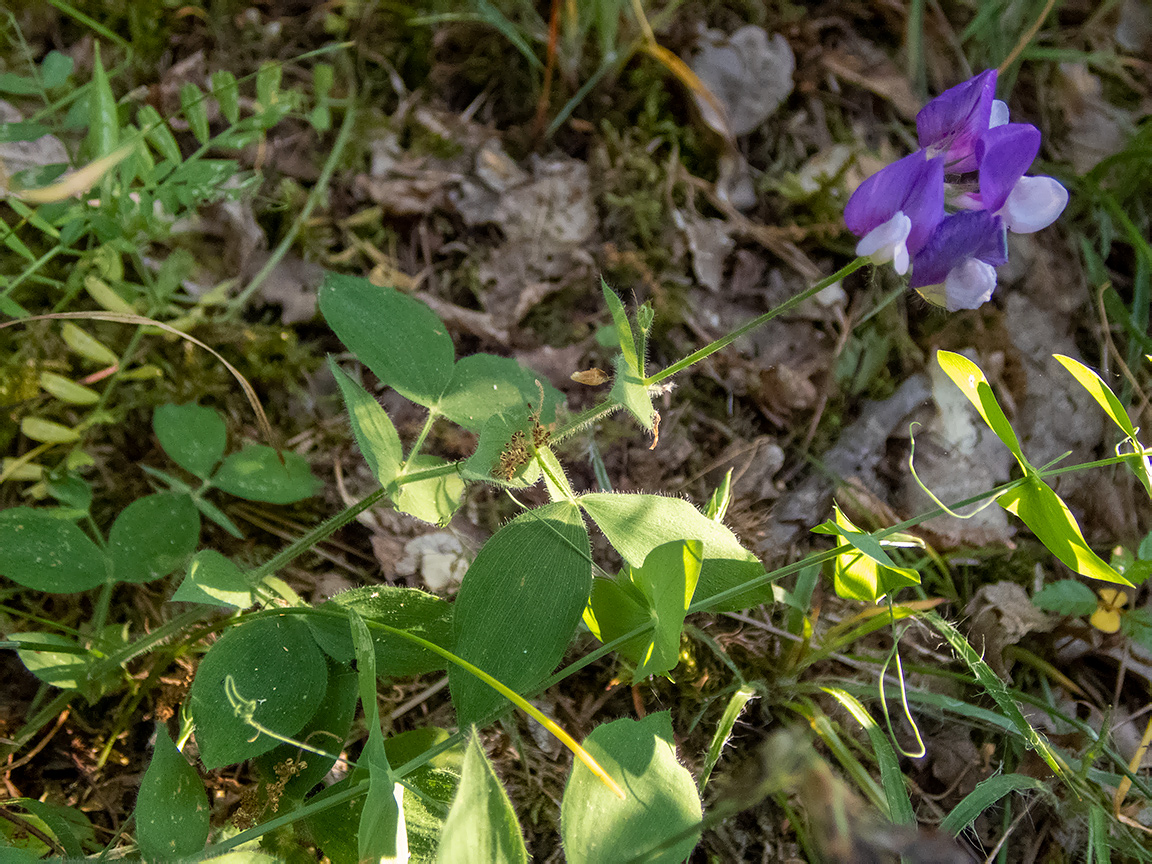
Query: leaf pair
[41, 549]
[1033, 501]
[408, 348]
[596, 827]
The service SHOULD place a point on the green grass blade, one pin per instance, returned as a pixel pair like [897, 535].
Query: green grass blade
[984, 796]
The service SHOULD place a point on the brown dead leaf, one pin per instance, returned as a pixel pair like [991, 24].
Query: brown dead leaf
[591, 377]
[1002, 614]
[876, 74]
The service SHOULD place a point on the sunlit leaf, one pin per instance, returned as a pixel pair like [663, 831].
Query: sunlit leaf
[662, 801]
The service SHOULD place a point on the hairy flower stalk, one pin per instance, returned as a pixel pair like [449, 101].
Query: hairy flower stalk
[945, 210]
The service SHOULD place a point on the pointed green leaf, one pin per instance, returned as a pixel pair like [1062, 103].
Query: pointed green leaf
[87, 346]
[375, 435]
[617, 607]
[153, 536]
[433, 500]
[399, 338]
[863, 570]
[1099, 391]
[483, 385]
[1049, 518]
[599, 828]
[172, 807]
[66, 669]
[624, 335]
[481, 826]
[227, 94]
[48, 431]
[193, 436]
[985, 795]
[216, 581]
[667, 579]
[555, 480]
[43, 552]
[891, 776]
[158, 134]
[637, 524]
[381, 835]
[257, 474]
[519, 604]
[275, 676]
[195, 111]
[967, 376]
[103, 125]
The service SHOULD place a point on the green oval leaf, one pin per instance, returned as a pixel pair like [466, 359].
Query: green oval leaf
[483, 385]
[599, 828]
[195, 111]
[327, 731]
[41, 551]
[192, 435]
[409, 609]
[519, 604]
[256, 474]
[153, 536]
[67, 390]
[172, 807]
[637, 524]
[400, 339]
[276, 677]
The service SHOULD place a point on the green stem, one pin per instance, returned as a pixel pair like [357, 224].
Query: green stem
[320, 532]
[433, 416]
[584, 418]
[725, 341]
[318, 191]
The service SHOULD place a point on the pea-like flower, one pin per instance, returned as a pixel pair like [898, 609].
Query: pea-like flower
[895, 211]
[899, 213]
[956, 267]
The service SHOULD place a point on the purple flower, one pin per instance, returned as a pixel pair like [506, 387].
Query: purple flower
[956, 267]
[955, 120]
[895, 210]
[1026, 204]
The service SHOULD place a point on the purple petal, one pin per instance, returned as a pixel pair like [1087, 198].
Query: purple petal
[914, 185]
[1005, 153]
[967, 234]
[953, 122]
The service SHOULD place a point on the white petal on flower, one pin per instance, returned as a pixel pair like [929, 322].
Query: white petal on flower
[999, 114]
[886, 243]
[1034, 203]
[969, 285]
